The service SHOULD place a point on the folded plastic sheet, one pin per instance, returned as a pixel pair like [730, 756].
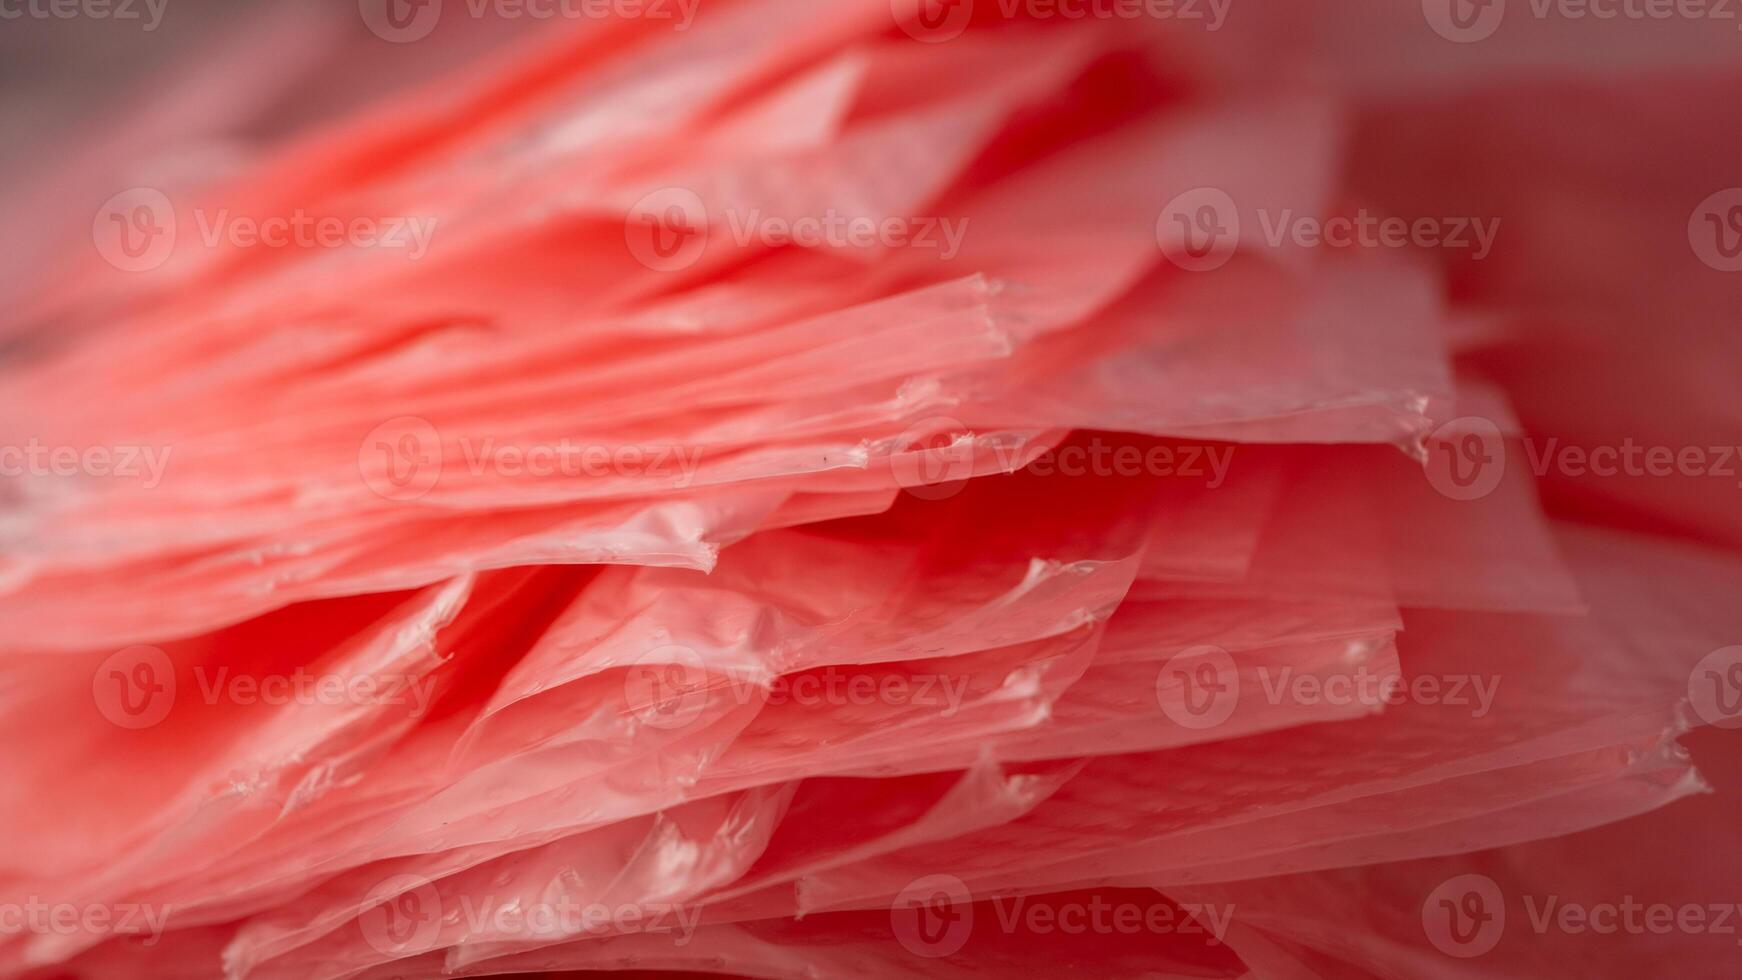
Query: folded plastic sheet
[1530, 769]
[1604, 901]
[1555, 741]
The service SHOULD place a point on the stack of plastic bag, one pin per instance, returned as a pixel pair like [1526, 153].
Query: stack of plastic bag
[823, 489]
